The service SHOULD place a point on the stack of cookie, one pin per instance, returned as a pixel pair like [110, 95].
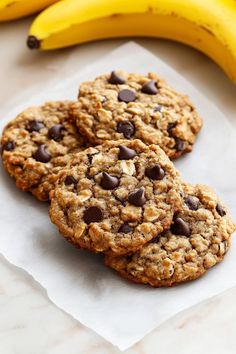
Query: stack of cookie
[103, 162]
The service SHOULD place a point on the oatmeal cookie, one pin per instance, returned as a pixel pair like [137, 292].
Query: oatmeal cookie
[132, 106]
[116, 197]
[37, 144]
[198, 239]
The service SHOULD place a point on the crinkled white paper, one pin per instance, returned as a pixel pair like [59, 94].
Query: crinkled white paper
[77, 281]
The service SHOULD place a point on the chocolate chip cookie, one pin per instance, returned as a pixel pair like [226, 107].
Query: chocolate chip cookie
[121, 105]
[198, 238]
[116, 197]
[37, 144]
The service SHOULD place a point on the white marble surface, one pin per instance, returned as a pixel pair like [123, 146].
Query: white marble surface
[29, 322]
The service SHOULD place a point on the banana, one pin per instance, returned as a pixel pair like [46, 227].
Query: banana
[12, 9]
[208, 25]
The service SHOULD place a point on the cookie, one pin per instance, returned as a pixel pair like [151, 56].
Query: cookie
[115, 197]
[37, 144]
[132, 106]
[198, 239]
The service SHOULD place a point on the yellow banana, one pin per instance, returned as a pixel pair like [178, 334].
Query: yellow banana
[12, 9]
[208, 25]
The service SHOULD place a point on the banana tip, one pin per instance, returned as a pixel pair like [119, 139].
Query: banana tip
[33, 42]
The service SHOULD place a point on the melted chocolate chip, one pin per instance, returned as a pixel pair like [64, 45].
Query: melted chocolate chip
[93, 214]
[116, 79]
[192, 203]
[126, 153]
[41, 154]
[150, 88]
[108, 181]
[127, 128]
[126, 96]
[155, 172]
[137, 198]
[35, 126]
[179, 144]
[125, 228]
[55, 132]
[8, 146]
[220, 210]
[70, 180]
[180, 227]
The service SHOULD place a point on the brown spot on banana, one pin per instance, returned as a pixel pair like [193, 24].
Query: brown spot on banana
[116, 15]
[207, 30]
[10, 4]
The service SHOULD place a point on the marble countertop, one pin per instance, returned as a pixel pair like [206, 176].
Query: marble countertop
[29, 322]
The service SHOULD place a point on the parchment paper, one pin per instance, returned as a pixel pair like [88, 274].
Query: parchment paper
[77, 281]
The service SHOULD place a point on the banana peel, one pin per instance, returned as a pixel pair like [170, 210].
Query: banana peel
[14, 9]
[209, 26]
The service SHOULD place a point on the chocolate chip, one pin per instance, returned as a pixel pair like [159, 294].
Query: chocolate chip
[41, 154]
[70, 180]
[220, 210]
[126, 96]
[127, 128]
[93, 214]
[150, 88]
[155, 172]
[116, 79]
[138, 197]
[8, 146]
[35, 126]
[179, 144]
[55, 132]
[125, 228]
[170, 127]
[108, 181]
[126, 153]
[180, 227]
[192, 203]
[157, 108]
